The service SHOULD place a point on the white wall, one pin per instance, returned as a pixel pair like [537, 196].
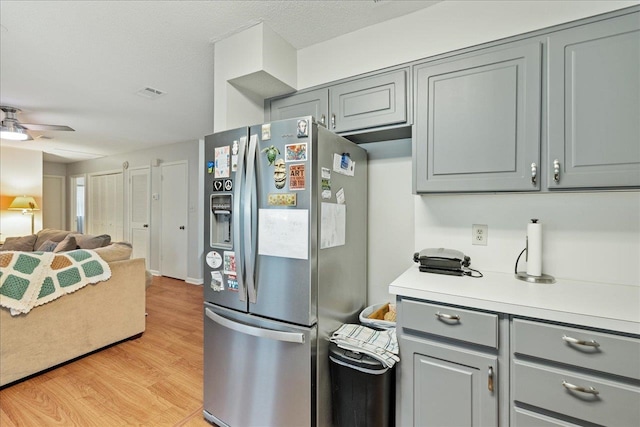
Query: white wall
[444, 27]
[188, 151]
[20, 174]
[590, 236]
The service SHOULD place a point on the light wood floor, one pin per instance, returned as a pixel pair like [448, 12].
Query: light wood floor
[154, 380]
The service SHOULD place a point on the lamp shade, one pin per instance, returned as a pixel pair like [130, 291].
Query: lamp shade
[22, 203]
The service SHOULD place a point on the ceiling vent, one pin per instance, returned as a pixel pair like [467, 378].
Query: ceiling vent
[150, 93]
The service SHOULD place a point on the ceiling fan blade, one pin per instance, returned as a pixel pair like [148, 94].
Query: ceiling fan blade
[36, 126]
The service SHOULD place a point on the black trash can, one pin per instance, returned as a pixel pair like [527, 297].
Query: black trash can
[362, 390]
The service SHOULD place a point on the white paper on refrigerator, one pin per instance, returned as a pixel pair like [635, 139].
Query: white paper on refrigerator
[333, 225]
[283, 233]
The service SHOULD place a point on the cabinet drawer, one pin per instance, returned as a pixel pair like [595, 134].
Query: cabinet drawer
[464, 325]
[525, 418]
[600, 351]
[615, 404]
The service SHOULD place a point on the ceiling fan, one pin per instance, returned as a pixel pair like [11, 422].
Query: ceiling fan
[11, 128]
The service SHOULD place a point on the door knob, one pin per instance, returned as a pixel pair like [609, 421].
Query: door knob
[146, 226]
[182, 227]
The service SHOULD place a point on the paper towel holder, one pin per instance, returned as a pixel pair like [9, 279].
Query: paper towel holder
[545, 278]
[523, 275]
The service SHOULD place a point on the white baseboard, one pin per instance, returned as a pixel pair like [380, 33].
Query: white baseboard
[155, 273]
[193, 281]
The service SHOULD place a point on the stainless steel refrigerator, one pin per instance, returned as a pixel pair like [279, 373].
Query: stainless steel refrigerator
[286, 251]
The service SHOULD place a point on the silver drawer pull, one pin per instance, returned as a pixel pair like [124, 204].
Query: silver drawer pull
[490, 379]
[576, 341]
[573, 387]
[447, 316]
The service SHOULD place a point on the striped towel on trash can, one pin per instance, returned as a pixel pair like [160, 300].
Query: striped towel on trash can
[381, 345]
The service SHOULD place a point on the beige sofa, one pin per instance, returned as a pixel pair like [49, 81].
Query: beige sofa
[75, 324]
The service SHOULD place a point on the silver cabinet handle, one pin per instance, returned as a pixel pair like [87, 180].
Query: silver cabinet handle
[294, 337]
[579, 389]
[576, 341]
[556, 170]
[490, 379]
[448, 316]
[323, 120]
[333, 121]
[534, 173]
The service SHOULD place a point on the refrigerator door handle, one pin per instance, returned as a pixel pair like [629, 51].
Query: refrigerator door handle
[294, 337]
[250, 207]
[237, 205]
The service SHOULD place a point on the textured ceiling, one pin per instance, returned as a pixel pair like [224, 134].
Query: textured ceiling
[80, 63]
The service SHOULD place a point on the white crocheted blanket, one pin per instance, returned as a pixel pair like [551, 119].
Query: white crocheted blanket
[30, 279]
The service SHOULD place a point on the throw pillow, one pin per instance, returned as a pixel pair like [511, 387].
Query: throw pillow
[68, 244]
[87, 241]
[50, 234]
[23, 243]
[47, 246]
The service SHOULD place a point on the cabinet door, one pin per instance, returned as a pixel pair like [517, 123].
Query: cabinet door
[369, 102]
[314, 103]
[443, 385]
[478, 121]
[594, 105]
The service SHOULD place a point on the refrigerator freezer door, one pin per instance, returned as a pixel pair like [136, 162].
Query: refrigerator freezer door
[224, 155]
[257, 372]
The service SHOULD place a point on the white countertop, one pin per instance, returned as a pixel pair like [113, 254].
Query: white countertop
[597, 305]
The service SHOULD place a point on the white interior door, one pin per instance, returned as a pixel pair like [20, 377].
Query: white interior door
[53, 200]
[106, 205]
[174, 214]
[139, 212]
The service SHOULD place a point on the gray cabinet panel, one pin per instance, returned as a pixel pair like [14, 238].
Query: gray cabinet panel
[524, 418]
[602, 352]
[594, 104]
[451, 322]
[478, 121]
[615, 404]
[368, 102]
[313, 103]
[445, 385]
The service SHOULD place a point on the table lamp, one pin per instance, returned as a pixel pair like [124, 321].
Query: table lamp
[27, 205]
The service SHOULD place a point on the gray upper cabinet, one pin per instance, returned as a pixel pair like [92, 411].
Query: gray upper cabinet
[374, 101]
[594, 105]
[313, 103]
[477, 123]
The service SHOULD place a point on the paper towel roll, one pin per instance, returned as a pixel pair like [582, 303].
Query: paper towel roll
[534, 248]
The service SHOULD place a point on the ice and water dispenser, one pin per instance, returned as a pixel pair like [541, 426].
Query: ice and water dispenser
[221, 227]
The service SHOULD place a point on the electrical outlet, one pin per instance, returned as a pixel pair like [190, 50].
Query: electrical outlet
[479, 234]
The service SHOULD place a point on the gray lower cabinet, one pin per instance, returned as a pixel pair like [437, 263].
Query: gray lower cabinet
[449, 374]
[477, 125]
[374, 101]
[567, 375]
[461, 366]
[594, 105]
